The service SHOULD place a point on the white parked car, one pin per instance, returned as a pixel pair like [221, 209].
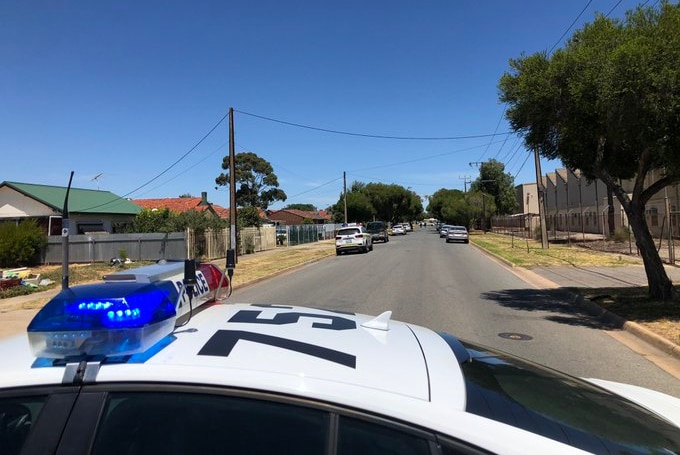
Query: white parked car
[398, 229]
[353, 238]
[132, 366]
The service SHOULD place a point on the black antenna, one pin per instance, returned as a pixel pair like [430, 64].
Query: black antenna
[64, 238]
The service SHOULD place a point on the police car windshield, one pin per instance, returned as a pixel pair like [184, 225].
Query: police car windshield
[528, 396]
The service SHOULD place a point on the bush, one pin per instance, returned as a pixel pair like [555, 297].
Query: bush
[20, 245]
[249, 243]
[621, 234]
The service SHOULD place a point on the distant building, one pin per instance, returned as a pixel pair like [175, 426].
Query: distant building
[89, 210]
[527, 198]
[292, 217]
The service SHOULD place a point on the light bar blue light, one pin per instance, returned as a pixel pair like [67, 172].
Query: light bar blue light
[109, 319]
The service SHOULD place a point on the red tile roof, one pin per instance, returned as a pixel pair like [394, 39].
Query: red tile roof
[304, 214]
[184, 204]
[181, 205]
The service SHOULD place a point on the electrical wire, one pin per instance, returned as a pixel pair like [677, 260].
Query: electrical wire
[165, 170]
[494, 134]
[614, 7]
[374, 136]
[315, 188]
[522, 166]
[420, 159]
[185, 170]
[569, 28]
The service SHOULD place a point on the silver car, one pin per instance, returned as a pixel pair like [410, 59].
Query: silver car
[457, 234]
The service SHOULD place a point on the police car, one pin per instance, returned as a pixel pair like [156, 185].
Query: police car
[151, 361]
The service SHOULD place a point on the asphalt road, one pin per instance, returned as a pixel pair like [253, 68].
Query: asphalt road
[459, 289]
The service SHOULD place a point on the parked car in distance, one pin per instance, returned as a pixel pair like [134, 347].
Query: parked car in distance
[398, 229]
[378, 229]
[353, 238]
[457, 234]
[443, 230]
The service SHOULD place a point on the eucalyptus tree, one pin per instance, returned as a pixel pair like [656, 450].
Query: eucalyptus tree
[608, 104]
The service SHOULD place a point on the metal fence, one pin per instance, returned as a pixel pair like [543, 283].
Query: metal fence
[104, 247]
[306, 233]
[207, 245]
[585, 228]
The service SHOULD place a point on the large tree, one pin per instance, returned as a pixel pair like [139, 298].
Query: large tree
[257, 185]
[456, 207]
[608, 104]
[393, 203]
[368, 201]
[493, 180]
[305, 207]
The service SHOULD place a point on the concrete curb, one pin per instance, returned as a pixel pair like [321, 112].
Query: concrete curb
[603, 314]
[634, 328]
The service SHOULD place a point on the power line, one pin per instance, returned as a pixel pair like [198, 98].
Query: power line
[569, 28]
[492, 136]
[316, 188]
[187, 169]
[374, 136]
[166, 169]
[614, 7]
[522, 166]
[420, 159]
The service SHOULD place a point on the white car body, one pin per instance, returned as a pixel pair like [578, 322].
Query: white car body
[353, 238]
[398, 229]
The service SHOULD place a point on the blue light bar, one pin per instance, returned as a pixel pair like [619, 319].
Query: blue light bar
[110, 319]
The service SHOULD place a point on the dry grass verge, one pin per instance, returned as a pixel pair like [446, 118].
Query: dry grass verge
[250, 268]
[528, 253]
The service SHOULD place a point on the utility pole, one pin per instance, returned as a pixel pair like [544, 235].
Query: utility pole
[232, 253]
[344, 192]
[64, 237]
[541, 197]
[466, 180]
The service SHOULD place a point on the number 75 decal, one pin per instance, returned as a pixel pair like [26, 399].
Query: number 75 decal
[223, 341]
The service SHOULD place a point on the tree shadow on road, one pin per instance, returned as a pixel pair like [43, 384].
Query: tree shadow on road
[560, 305]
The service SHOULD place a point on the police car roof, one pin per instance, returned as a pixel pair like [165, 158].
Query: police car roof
[325, 354]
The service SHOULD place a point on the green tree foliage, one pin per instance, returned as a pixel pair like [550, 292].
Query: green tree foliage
[438, 199]
[305, 207]
[20, 245]
[166, 221]
[256, 183]
[456, 207]
[248, 216]
[494, 181]
[393, 203]
[370, 201]
[608, 104]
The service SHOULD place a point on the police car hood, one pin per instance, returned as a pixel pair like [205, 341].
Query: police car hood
[294, 347]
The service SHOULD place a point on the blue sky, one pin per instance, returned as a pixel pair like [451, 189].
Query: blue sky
[121, 91]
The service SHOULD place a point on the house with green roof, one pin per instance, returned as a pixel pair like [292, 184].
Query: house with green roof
[89, 210]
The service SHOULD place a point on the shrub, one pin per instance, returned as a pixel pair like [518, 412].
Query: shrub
[621, 234]
[20, 245]
[249, 243]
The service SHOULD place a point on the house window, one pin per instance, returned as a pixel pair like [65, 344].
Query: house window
[653, 214]
[86, 228]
